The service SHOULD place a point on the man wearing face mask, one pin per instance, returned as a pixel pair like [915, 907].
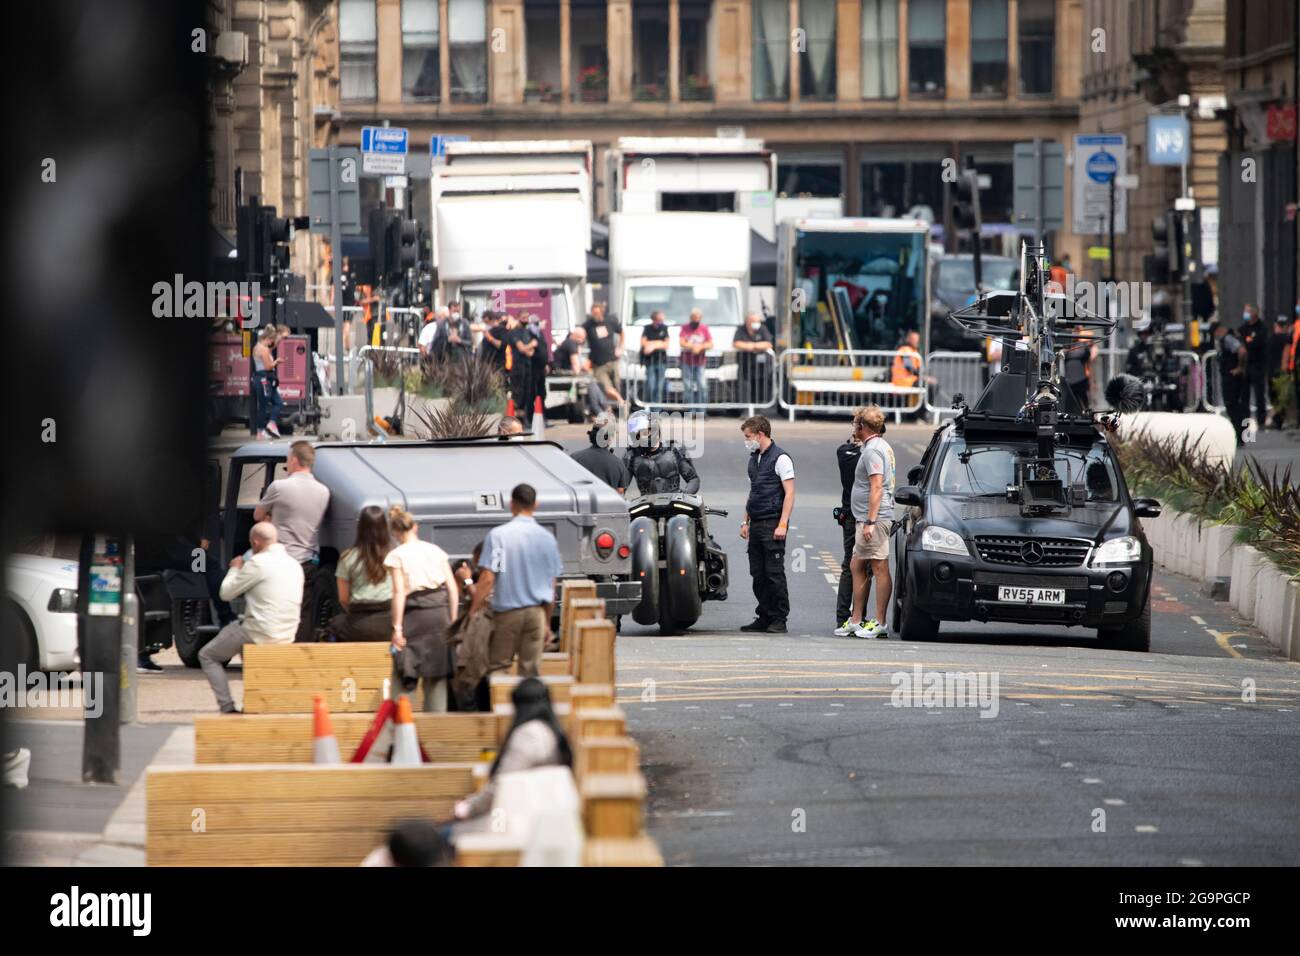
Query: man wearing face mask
[695, 340]
[655, 467]
[754, 343]
[654, 356]
[1254, 333]
[767, 521]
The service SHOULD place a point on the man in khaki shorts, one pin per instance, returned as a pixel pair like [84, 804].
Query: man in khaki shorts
[872, 499]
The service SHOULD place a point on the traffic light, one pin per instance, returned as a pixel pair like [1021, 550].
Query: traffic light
[966, 209]
[383, 251]
[408, 245]
[262, 239]
[1190, 245]
[1164, 265]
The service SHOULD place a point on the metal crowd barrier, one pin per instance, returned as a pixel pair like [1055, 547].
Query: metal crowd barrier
[948, 374]
[838, 381]
[325, 348]
[727, 385]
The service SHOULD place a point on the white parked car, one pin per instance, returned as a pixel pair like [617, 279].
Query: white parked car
[40, 609]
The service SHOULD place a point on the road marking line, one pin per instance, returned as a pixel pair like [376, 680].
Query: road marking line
[1222, 641]
[1113, 801]
[1146, 828]
[1199, 620]
[1092, 779]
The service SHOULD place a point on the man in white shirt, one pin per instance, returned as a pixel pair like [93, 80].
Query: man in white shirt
[270, 582]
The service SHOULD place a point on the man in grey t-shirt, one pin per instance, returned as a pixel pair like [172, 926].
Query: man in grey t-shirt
[296, 506]
[872, 500]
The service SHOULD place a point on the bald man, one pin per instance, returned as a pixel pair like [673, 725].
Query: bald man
[270, 582]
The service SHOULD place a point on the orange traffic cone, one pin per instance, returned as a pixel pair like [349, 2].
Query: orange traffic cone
[539, 418]
[510, 407]
[406, 746]
[324, 747]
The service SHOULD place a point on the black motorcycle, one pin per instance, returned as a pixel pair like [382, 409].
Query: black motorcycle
[676, 560]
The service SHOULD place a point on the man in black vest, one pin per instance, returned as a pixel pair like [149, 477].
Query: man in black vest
[767, 519]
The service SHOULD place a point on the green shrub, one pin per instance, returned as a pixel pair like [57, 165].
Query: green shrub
[1264, 502]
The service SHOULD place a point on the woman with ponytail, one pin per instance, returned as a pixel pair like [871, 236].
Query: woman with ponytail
[425, 603]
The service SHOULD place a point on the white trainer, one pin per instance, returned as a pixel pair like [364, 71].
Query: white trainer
[847, 628]
[872, 628]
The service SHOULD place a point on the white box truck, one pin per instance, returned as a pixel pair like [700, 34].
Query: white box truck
[694, 174]
[676, 262]
[511, 232]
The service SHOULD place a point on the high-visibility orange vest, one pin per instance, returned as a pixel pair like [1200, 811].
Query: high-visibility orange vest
[1295, 344]
[901, 374]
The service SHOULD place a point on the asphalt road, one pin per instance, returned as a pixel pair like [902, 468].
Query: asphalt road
[786, 749]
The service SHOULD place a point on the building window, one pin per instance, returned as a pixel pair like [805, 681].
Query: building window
[467, 39]
[879, 49]
[771, 38]
[588, 55]
[926, 36]
[894, 187]
[541, 51]
[804, 176]
[695, 58]
[817, 63]
[357, 73]
[988, 47]
[1036, 25]
[420, 51]
[649, 50]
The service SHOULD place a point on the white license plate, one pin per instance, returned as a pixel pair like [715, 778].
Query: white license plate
[1031, 595]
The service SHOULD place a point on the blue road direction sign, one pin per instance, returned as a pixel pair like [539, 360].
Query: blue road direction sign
[1099, 160]
[1168, 140]
[438, 144]
[384, 139]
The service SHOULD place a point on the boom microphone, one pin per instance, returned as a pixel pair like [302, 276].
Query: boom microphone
[1125, 393]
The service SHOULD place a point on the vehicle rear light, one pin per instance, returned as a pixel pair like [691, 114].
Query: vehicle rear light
[605, 541]
[624, 551]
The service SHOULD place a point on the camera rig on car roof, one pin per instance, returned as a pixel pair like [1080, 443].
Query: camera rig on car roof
[1026, 399]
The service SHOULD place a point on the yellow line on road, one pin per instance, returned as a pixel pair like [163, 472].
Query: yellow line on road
[1222, 640]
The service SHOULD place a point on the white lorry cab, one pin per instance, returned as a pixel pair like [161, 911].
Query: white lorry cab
[677, 262]
[512, 229]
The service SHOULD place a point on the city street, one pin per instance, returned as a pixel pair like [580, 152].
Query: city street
[746, 731]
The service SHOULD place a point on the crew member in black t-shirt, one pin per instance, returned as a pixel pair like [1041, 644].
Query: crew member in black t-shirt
[847, 455]
[1232, 377]
[541, 360]
[520, 346]
[491, 348]
[654, 357]
[1254, 334]
[605, 343]
[599, 458]
[753, 341]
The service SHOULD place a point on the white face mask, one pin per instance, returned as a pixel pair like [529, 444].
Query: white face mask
[751, 445]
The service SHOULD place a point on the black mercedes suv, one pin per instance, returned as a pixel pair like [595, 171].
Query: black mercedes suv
[968, 550]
